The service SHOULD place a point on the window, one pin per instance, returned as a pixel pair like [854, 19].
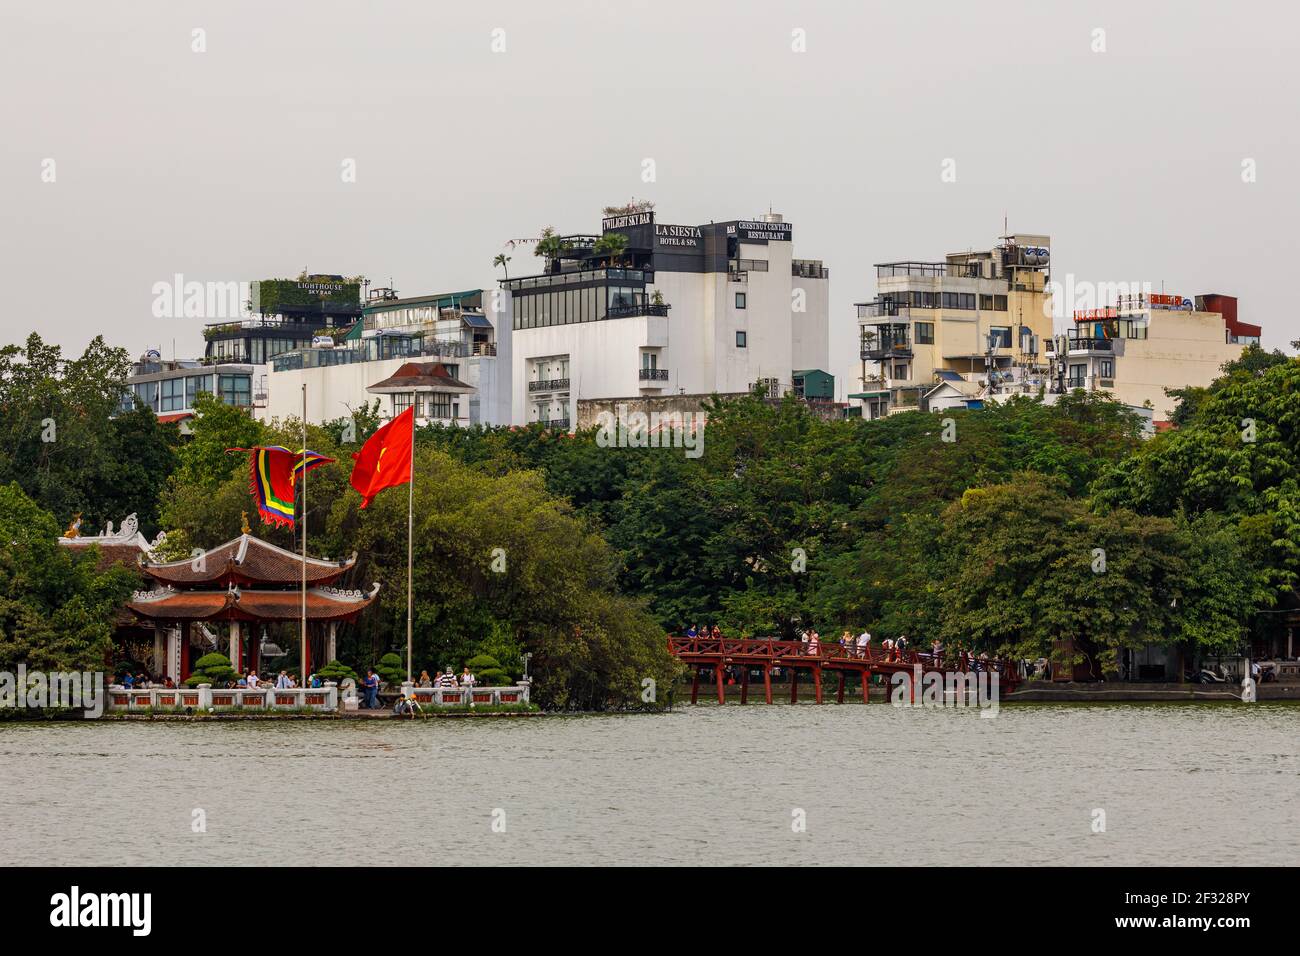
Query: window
[172, 395]
[999, 303]
[401, 402]
[959, 300]
[235, 389]
[740, 300]
[1078, 374]
[900, 372]
[986, 302]
[740, 340]
[434, 405]
[1000, 337]
[195, 384]
[1106, 368]
[924, 333]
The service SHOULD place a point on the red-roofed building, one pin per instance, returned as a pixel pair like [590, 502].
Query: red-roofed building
[246, 584]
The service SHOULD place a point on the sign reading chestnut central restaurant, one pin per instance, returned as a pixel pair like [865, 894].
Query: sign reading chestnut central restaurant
[762, 231]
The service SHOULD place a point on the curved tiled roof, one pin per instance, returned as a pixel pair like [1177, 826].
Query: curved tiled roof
[235, 604]
[247, 560]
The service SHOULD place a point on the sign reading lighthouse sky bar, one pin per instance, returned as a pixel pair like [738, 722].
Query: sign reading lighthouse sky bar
[761, 231]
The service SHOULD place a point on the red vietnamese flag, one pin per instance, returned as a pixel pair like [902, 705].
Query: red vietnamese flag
[385, 459]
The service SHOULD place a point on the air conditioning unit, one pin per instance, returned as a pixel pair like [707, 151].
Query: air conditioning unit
[771, 387]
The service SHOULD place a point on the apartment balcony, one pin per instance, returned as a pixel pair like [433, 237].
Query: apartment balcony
[890, 347]
[640, 308]
[549, 385]
[558, 424]
[653, 377]
[1091, 345]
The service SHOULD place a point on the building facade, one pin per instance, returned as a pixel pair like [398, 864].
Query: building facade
[169, 386]
[450, 330]
[648, 309]
[983, 316]
[1147, 343]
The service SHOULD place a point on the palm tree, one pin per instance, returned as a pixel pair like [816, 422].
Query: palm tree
[612, 245]
[501, 261]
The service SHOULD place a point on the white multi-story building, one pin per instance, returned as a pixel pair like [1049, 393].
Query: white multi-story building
[464, 377]
[664, 310]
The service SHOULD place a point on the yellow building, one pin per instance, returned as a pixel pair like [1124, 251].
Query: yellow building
[1148, 343]
[984, 315]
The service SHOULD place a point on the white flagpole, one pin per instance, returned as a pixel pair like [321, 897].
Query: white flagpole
[410, 544]
[302, 665]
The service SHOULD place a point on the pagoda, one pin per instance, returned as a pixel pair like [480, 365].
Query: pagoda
[246, 581]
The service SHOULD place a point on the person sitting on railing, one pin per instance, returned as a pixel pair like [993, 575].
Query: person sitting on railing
[716, 633]
[466, 678]
[814, 648]
[691, 632]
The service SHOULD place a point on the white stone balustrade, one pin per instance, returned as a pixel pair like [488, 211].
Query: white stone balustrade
[206, 697]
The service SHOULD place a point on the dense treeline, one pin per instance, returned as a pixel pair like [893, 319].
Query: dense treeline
[1005, 529]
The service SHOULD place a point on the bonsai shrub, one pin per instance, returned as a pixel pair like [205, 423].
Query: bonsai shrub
[487, 671]
[211, 669]
[390, 669]
[338, 672]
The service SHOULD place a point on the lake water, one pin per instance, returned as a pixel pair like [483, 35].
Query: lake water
[1179, 784]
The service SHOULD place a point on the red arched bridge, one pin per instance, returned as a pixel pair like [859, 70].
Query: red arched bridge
[847, 660]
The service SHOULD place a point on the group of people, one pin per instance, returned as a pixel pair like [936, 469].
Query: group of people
[143, 680]
[283, 681]
[447, 679]
[703, 630]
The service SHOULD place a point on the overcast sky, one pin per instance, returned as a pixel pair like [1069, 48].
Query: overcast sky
[226, 164]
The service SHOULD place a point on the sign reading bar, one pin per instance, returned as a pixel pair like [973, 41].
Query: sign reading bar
[678, 236]
[627, 222]
[762, 231]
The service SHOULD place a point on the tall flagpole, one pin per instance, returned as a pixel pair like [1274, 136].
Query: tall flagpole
[410, 544]
[303, 649]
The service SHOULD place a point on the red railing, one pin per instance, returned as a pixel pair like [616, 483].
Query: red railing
[789, 653]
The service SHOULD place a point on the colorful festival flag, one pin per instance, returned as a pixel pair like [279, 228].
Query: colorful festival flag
[385, 458]
[273, 472]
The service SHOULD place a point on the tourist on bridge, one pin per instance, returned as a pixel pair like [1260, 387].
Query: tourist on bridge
[252, 679]
[864, 639]
[447, 678]
[887, 645]
[716, 633]
[691, 632]
[282, 682]
[814, 644]
[425, 679]
[371, 684]
[900, 646]
[466, 678]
